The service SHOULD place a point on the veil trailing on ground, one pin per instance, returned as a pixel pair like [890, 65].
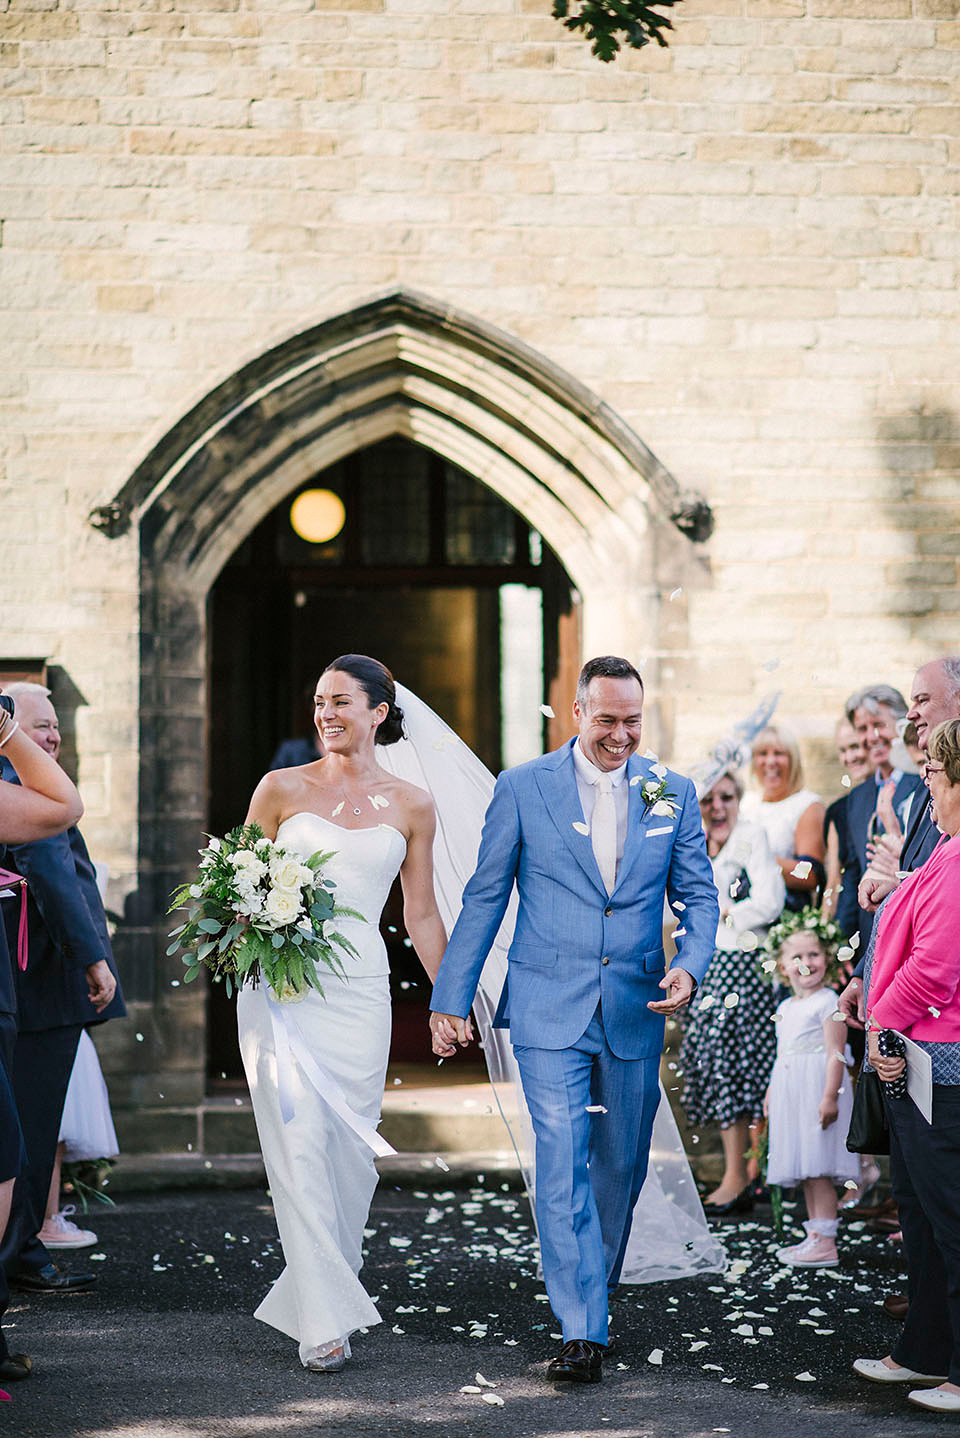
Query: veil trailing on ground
[669, 1237]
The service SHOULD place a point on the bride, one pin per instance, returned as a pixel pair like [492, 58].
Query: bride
[319, 1161]
[318, 1145]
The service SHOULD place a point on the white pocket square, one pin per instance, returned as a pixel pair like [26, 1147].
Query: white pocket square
[665, 829]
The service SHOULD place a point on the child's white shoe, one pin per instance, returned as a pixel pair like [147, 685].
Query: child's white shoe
[818, 1249]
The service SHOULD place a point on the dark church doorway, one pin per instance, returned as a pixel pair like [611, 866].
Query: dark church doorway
[434, 574]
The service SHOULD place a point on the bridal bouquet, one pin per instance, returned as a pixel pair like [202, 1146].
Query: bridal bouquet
[255, 911]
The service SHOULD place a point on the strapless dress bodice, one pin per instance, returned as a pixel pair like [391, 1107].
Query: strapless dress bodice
[363, 866]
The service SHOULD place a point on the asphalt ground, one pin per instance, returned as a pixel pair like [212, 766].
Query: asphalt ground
[167, 1345]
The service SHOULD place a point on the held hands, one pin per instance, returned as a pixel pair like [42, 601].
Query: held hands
[679, 986]
[447, 1031]
[101, 985]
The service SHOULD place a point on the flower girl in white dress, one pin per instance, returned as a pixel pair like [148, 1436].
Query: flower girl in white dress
[810, 1097]
[316, 1066]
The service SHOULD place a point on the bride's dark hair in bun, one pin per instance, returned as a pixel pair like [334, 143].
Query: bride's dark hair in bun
[376, 681]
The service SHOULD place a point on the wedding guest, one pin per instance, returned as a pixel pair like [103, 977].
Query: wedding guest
[852, 753]
[811, 1095]
[69, 982]
[44, 803]
[791, 816]
[913, 984]
[875, 807]
[934, 698]
[729, 1043]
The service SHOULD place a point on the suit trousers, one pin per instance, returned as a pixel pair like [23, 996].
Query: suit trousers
[42, 1063]
[590, 1167]
[925, 1177]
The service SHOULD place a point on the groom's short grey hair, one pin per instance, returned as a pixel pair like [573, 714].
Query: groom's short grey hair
[607, 666]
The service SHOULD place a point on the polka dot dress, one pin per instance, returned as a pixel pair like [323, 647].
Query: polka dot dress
[730, 1042]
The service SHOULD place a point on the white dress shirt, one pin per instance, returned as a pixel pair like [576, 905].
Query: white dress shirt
[588, 777]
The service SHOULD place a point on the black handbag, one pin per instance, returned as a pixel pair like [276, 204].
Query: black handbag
[869, 1132]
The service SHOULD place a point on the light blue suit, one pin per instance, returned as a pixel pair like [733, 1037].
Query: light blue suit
[582, 968]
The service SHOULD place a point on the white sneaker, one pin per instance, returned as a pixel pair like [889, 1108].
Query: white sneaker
[59, 1232]
[816, 1251]
[879, 1372]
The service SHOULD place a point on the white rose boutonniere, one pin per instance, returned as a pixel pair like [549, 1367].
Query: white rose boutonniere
[657, 797]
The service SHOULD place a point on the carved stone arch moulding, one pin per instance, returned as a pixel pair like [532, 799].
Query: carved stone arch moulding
[401, 364]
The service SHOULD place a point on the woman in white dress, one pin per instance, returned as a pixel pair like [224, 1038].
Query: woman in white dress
[316, 1067]
[791, 816]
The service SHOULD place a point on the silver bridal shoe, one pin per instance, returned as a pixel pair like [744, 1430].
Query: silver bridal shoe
[328, 1357]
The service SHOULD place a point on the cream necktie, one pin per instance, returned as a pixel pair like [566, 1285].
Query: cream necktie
[603, 832]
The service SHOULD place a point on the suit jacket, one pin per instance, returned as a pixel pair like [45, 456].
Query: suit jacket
[573, 946]
[67, 932]
[923, 836]
[860, 806]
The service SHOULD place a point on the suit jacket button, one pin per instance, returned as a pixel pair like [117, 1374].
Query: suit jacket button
[608, 912]
[604, 961]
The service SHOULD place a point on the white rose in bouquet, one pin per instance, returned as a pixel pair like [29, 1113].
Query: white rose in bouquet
[287, 872]
[281, 907]
[246, 862]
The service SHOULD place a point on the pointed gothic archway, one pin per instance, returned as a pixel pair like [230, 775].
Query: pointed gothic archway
[401, 365]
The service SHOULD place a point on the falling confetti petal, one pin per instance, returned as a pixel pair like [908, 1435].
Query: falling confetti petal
[932, 1010]
[595, 1108]
[748, 941]
[731, 1001]
[801, 870]
[580, 828]
[676, 593]
[838, 1018]
[337, 810]
[547, 712]
[768, 965]
[378, 801]
[846, 781]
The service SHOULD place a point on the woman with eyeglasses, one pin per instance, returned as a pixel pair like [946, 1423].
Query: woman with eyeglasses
[729, 1046]
[913, 989]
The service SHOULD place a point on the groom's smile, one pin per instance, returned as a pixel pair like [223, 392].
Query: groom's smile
[609, 719]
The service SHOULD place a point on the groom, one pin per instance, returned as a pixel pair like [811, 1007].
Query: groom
[594, 838]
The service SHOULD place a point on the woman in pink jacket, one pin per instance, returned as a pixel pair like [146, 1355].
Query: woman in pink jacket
[914, 988]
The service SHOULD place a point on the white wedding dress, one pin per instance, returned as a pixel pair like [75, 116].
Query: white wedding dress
[319, 1150]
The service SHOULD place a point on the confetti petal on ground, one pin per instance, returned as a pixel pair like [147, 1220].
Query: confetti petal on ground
[656, 1357]
[492, 1398]
[484, 1382]
[805, 1377]
[470, 1388]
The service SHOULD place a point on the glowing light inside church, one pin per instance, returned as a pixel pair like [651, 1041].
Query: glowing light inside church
[317, 515]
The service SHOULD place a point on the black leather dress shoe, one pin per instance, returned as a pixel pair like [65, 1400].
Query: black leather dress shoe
[580, 1361]
[14, 1367]
[51, 1279]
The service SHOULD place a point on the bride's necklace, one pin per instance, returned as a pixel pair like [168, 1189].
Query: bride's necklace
[377, 801]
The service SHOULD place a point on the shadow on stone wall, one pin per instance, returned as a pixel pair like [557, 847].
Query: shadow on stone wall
[920, 450]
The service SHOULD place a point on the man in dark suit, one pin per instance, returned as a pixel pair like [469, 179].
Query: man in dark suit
[934, 697]
[874, 713]
[69, 983]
